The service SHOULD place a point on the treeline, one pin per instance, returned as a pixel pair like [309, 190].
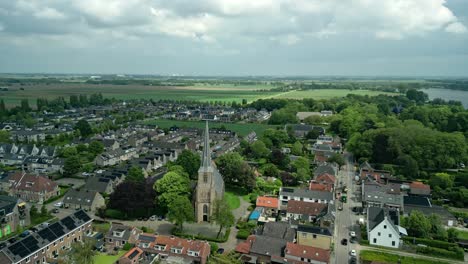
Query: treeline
[82, 100]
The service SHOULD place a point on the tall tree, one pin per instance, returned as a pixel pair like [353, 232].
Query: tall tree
[190, 161]
[96, 147]
[133, 199]
[222, 215]
[135, 174]
[83, 252]
[171, 186]
[259, 149]
[72, 165]
[235, 170]
[417, 225]
[180, 210]
[84, 128]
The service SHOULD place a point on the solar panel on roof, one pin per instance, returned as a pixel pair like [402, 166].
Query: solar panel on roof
[68, 222]
[19, 249]
[30, 243]
[104, 179]
[47, 234]
[82, 216]
[57, 229]
[288, 190]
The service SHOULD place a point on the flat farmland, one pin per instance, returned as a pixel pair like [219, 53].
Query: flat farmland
[241, 128]
[326, 93]
[197, 92]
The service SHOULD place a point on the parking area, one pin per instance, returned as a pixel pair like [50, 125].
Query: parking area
[75, 183]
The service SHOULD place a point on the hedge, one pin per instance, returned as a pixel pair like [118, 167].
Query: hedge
[430, 242]
[243, 234]
[127, 246]
[453, 253]
[201, 237]
[214, 247]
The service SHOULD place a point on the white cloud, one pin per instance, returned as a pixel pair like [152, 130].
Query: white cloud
[49, 13]
[456, 27]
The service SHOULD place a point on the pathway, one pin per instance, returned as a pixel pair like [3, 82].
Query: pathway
[232, 241]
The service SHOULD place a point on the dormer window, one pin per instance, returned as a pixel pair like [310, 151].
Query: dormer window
[29, 184]
[118, 233]
[160, 247]
[194, 253]
[176, 250]
[144, 245]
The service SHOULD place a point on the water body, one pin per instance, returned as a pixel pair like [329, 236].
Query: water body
[446, 94]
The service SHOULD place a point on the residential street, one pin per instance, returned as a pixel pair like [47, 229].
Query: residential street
[345, 218]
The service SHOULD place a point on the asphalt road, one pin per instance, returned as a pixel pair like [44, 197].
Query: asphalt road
[346, 219]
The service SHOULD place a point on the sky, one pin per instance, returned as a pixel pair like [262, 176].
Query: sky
[235, 37]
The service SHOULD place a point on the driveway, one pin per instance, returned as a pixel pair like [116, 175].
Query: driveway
[240, 212]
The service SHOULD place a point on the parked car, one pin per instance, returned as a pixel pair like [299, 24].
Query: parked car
[220, 251]
[352, 260]
[24, 234]
[45, 224]
[152, 218]
[59, 204]
[352, 234]
[353, 253]
[344, 242]
[55, 211]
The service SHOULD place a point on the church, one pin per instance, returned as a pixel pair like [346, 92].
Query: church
[210, 185]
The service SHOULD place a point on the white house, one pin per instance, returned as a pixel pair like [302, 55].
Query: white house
[382, 227]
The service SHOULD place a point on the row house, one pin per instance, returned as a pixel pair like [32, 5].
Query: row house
[44, 165]
[113, 157]
[50, 243]
[171, 248]
[305, 211]
[29, 150]
[298, 194]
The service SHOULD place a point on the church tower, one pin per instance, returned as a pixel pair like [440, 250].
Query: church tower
[210, 185]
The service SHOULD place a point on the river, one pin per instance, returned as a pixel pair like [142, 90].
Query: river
[447, 94]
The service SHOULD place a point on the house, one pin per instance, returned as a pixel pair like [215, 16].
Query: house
[110, 143]
[314, 236]
[50, 243]
[99, 184]
[172, 249]
[119, 235]
[295, 253]
[13, 214]
[383, 227]
[298, 194]
[270, 204]
[315, 186]
[382, 195]
[301, 131]
[325, 168]
[30, 188]
[83, 199]
[366, 171]
[134, 256]
[419, 188]
[305, 211]
[326, 179]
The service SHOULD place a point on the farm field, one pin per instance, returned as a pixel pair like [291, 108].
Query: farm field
[198, 92]
[241, 129]
[326, 93]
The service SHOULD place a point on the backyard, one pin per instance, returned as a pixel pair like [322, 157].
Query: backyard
[103, 258]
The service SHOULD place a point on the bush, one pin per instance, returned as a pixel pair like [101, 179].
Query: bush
[453, 253]
[429, 242]
[127, 246]
[243, 234]
[113, 213]
[214, 247]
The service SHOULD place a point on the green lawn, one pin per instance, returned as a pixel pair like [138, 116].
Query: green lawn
[462, 235]
[241, 129]
[101, 227]
[326, 93]
[103, 258]
[382, 257]
[232, 199]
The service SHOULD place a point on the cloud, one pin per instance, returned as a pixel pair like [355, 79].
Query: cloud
[49, 13]
[456, 27]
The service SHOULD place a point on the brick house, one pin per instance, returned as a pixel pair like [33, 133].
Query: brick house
[13, 213]
[31, 188]
[119, 235]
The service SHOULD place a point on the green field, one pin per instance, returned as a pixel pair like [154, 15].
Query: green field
[326, 93]
[232, 200]
[381, 257]
[241, 129]
[103, 258]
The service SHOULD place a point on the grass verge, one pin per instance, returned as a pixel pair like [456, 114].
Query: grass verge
[368, 256]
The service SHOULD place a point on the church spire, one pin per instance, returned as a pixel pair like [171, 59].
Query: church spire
[206, 158]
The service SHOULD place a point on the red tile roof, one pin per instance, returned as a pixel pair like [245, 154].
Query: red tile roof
[305, 208]
[185, 244]
[326, 177]
[268, 202]
[307, 252]
[137, 255]
[315, 186]
[420, 185]
[244, 247]
[28, 182]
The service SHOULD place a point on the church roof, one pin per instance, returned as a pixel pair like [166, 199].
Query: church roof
[207, 164]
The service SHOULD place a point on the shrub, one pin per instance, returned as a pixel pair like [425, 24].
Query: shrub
[113, 213]
[127, 246]
[214, 247]
[243, 234]
[453, 253]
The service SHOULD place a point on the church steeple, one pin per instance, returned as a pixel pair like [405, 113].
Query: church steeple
[206, 157]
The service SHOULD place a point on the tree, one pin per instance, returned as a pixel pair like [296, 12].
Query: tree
[135, 174]
[270, 170]
[337, 158]
[297, 149]
[171, 186]
[274, 138]
[313, 134]
[302, 163]
[83, 252]
[441, 179]
[452, 235]
[180, 210]
[416, 95]
[279, 158]
[72, 165]
[84, 128]
[190, 161]
[4, 136]
[417, 225]
[437, 230]
[259, 149]
[133, 199]
[33, 212]
[235, 170]
[25, 105]
[222, 215]
[44, 211]
[96, 147]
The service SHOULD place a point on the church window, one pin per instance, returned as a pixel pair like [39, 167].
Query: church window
[205, 178]
[205, 209]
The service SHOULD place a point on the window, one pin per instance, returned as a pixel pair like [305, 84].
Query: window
[28, 259]
[378, 233]
[205, 178]
[302, 259]
[375, 240]
[304, 235]
[35, 255]
[314, 236]
[205, 209]
[385, 226]
[393, 243]
[389, 235]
